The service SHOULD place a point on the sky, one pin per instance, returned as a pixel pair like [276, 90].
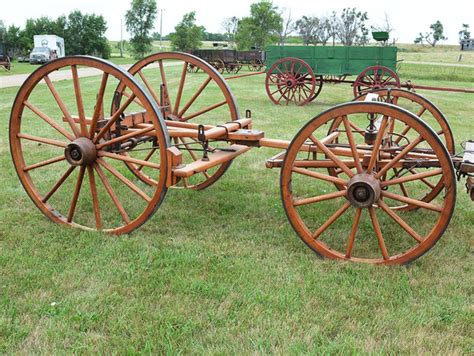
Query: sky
[407, 17]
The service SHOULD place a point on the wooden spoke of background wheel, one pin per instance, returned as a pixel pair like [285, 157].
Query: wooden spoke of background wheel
[352, 143]
[378, 233]
[321, 176]
[194, 97]
[331, 220]
[46, 141]
[415, 202]
[150, 88]
[377, 144]
[352, 236]
[180, 88]
[75, 196]
[79, 102]
[416, 176]
[95, 197]
[163, 81]
[112, 194]
[205, 110]
[124, 180]
[113, 119]
[148, 157]
[99, 104]
[398, 157]
[49, 120]
[319, 198]
[332, 156]
[428, 183]
[400, 221]
[135, 133]
[62, 106]
[128, 159]
[58, 184]
[44, 163]
[135, 100]
[402, 135]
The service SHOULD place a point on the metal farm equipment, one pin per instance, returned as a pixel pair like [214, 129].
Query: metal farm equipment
[5, 62]
[229, 60]
[365, 181]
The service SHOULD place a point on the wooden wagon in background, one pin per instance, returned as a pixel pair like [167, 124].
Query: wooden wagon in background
[5, 61]
[229, 60]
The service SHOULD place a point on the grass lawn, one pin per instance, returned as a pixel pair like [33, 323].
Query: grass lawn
[221, 270]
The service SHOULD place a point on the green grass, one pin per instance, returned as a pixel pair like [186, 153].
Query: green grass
[221, 271]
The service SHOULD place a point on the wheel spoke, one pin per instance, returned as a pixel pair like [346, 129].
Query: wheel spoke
[205, 110]
[378, 233]
[163, 81]
[127, 159]
[95, 198]
[49, 120]
[46, 141]
[321, 176]
[99, 105]
[114, 118]
[58, 184]
[194, 97]
[352, 236]
[418, 203]
[149, 87]
[147, 158]
[400, 221]
[44, 163]
[331, 220]
[332, 156]
[75, 196]
[79, 102]
[377, 144]
[428, 183]
[319, 198]
[352, 143]
[112, 194]
[415, 176]
[62, 106]
[132, 134]
[180, 88]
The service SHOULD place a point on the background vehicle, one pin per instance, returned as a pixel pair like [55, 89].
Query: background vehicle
[47, 48]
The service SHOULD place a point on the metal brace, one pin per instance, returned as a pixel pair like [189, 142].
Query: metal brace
[204, 142]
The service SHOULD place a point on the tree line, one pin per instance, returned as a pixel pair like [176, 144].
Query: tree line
[82, 33]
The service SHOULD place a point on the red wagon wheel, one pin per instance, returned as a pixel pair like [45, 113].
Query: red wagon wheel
[204, 98]
[357, 223]
[319, 87]
[290, 80]
[68, 156]
[375, 77]
[400, 134]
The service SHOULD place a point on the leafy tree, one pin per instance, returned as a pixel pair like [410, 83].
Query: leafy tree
[85, 34]
[261, 28]
[351, 27]
[230, 25]
[433, 37]
[187, 35]
[287, 28]
[306, 27]
[464, 34]
[3, 31]
[139, 22]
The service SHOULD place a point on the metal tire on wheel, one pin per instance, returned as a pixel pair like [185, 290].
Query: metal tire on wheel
[357, 223]
[68, 155]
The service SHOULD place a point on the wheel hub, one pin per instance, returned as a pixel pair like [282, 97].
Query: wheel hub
[290, 82]
[363, 190]
[81, 152]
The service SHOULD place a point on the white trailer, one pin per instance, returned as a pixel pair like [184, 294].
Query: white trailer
[47, 48]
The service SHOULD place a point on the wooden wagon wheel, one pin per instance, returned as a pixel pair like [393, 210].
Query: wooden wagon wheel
[375, 77]
[255, 65]
[233, 68]
[192, 69]
[357, 223]
[204, 98]
[68, 156]
[290, 80]
[218, 64]
[424, 109]
[319, 87]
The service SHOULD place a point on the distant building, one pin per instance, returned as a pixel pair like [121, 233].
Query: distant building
[467, 45]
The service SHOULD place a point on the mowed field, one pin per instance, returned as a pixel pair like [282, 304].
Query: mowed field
[221, 270]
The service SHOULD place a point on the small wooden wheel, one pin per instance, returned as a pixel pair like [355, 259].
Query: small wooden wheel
[424, 109]
[204, 97]
[290, 80]
[357, 222]
[69, 157]
[373, 78]
[255, 65]
[233, 68]
[319, 87]
[218, 64]
[192, 69]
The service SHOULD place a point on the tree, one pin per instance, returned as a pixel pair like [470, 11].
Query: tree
[261, 28]
[306, 27]
[3, 31]
[386, 27]
[433, 37]
[187, 35]
[351, 27]
[230, 25]
[85, 34]
[287, 28]
[464, 34]
[139, 22]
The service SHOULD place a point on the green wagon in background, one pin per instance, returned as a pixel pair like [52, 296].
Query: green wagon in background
[297, 73]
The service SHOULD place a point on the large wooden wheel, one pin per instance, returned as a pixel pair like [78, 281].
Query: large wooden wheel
[400, 134]
[69, 157]
[291, 80]
[203, 98]
[358, 222]
[373, 78]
